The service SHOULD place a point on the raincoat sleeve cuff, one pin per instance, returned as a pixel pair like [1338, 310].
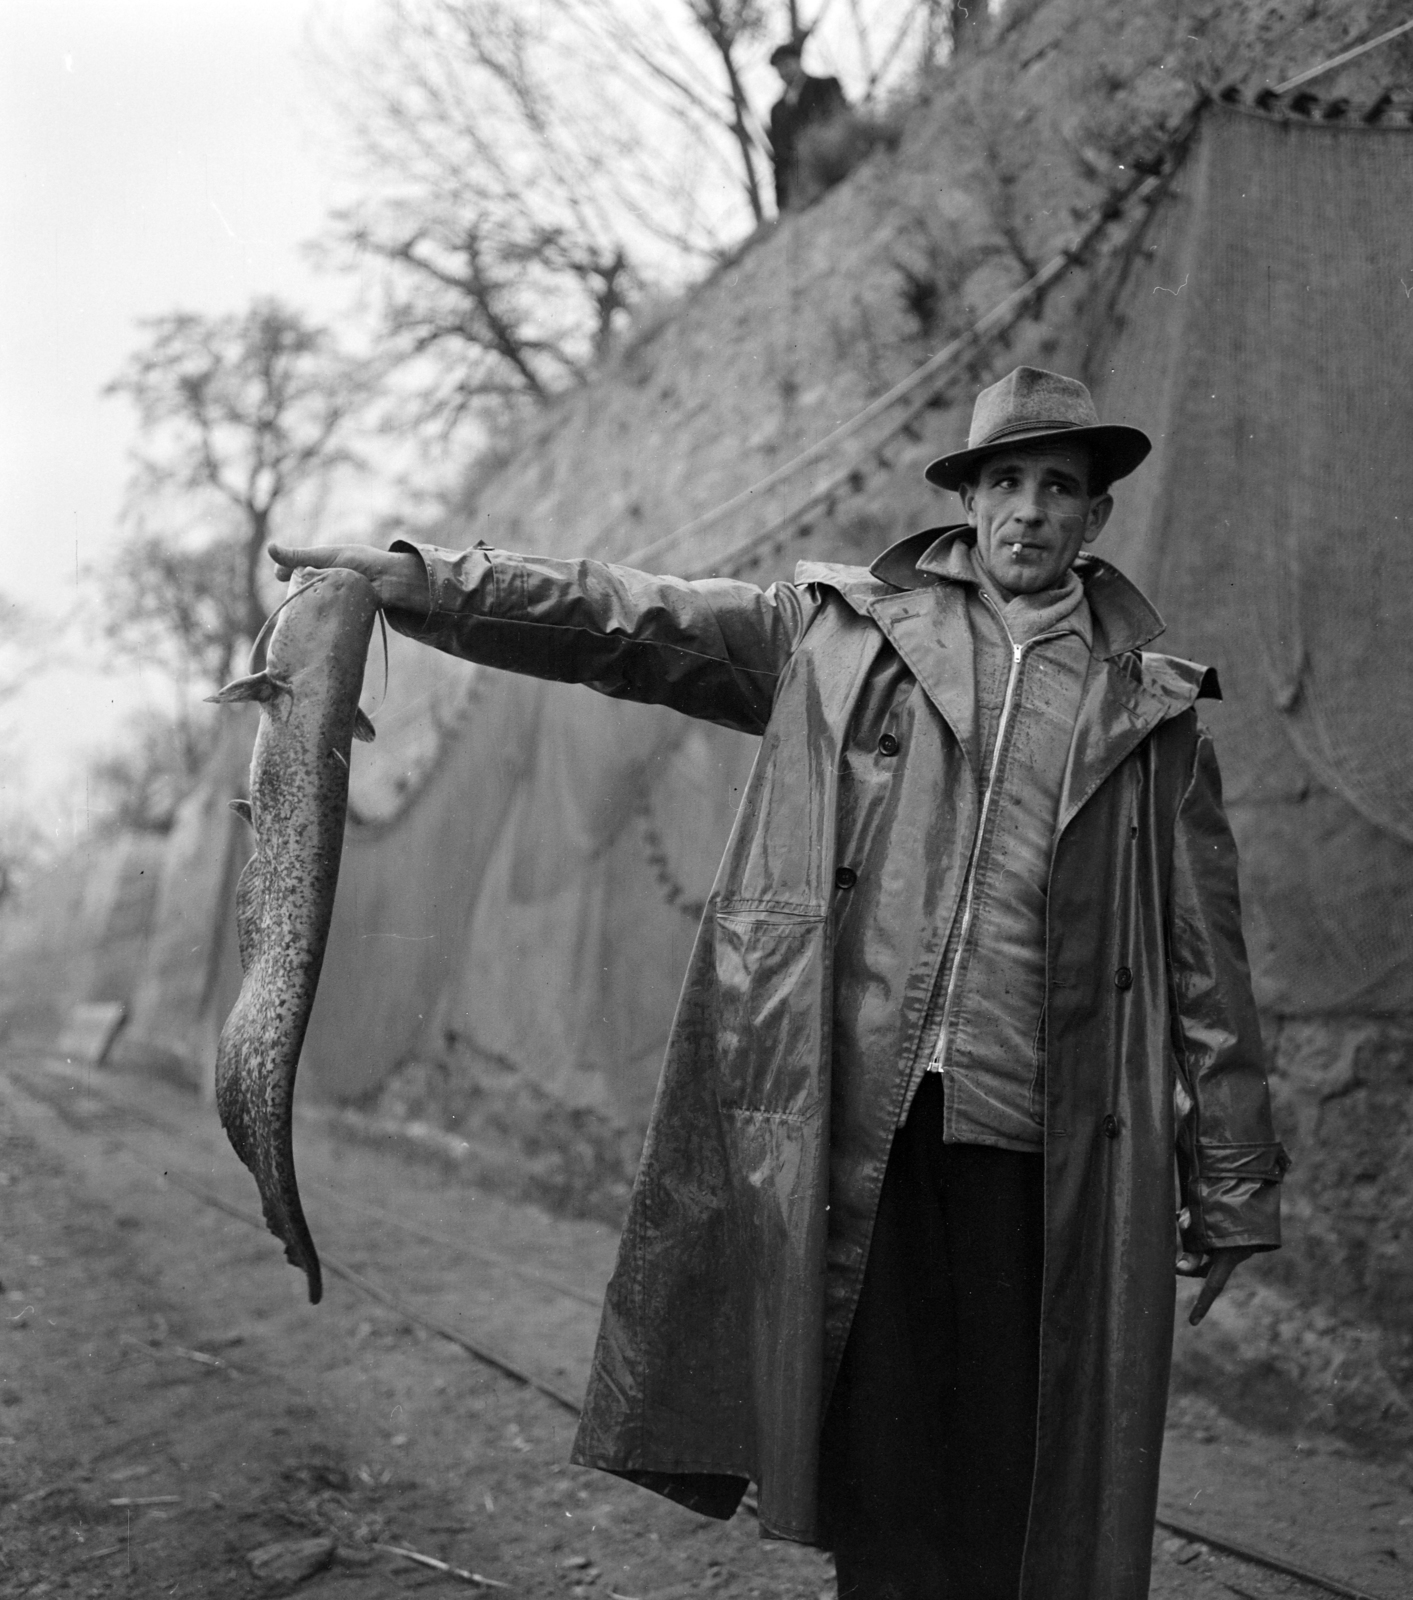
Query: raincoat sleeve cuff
[1234, 1200]
[457, 580]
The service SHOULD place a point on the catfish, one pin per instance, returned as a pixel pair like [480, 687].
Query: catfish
[308, 680]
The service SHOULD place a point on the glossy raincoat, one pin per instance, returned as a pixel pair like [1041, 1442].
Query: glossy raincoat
[792, 1054]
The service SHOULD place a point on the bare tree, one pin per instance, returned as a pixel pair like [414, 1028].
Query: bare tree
[242, 418]
[728, 25]
[968, 22]
[238, 416]
[139, 782]
[510, 194]
[182, 608]
[19, 635]
[22, 846]
[663, 69]
[528, 168]
[905, 38]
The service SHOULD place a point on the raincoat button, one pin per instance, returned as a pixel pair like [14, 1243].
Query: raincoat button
[845, 878]
[1111, 1127]
[1123, 979]
[888, 745]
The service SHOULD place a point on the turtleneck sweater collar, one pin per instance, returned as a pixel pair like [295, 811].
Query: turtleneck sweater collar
[1027, 616]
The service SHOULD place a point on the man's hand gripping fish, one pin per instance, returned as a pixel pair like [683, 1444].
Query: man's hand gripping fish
[308, 690]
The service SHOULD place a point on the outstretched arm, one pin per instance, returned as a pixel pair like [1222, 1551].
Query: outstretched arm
[712, 648]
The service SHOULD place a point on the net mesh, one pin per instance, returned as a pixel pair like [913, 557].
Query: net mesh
[531, 906]
[1263, 335]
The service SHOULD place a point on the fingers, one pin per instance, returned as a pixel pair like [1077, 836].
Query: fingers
[399, 578]
[1224, 1263]
[1216, 1282]
[288, 557]
[284, 559]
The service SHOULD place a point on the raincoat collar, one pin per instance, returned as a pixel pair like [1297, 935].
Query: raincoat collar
[1123, 619]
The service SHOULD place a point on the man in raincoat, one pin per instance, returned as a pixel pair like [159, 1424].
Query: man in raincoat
[967, 1038]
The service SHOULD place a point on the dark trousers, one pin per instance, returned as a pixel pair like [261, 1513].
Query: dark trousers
[928, 1448]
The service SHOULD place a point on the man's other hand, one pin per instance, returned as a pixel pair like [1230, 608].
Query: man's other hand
[398, 577]
[1217, 1268]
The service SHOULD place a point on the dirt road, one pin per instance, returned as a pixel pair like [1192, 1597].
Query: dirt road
[170, 1404]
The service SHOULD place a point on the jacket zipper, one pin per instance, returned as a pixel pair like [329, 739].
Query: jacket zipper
[937, 1063]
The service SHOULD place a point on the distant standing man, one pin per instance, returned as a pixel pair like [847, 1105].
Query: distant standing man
[968, 1021]
[806, 103]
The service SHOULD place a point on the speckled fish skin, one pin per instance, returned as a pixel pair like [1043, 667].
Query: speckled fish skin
[309, 693]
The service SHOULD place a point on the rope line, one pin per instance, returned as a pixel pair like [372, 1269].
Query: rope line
[674, 892]
[1340, 60]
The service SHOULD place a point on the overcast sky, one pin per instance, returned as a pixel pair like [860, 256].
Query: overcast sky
[154, 155]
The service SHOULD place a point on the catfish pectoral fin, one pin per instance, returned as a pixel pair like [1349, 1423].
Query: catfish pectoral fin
[362, 727]
[261, 686]
[242, 809]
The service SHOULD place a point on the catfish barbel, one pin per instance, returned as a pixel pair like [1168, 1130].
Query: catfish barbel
[308, 691]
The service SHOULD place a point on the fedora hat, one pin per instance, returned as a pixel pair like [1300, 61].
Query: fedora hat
[1029, 406]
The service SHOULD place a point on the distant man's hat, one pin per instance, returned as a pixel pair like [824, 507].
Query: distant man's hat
[1030, 406]
[791, 50]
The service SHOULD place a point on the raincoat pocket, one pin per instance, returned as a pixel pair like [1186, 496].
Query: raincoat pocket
[771, 972]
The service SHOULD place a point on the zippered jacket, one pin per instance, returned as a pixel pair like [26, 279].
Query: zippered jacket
[793, 1050]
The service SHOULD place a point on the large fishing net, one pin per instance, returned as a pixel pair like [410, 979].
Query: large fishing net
[1263, 334]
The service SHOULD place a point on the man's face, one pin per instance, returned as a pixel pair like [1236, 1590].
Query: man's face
[790, 70]
[1032, 511]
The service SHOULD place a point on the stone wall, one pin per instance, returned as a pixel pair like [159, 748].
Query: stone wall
[1320, 1333]
[1344, 1104]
